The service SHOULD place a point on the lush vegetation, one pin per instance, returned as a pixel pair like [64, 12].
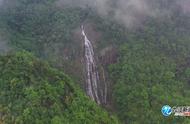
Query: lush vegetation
[37, 25]
[153, 66]
[45, 30]
[31, 92]
[152, 71]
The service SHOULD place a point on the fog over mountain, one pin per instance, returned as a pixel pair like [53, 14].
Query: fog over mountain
[1, 1]
[3, 47]
[185, 6]
[131, 12]
[106, 61]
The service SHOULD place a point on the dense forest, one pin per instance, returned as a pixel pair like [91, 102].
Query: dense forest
[144, 63]
[33, 92]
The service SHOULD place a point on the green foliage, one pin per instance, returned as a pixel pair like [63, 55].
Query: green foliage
[145, 80]
[44, 29]
[153, 70]
[31, 92]
[36, 25]
[153, 67]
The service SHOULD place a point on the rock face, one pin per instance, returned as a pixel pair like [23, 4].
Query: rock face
[108, 55]
[92, 75]
[96, 84]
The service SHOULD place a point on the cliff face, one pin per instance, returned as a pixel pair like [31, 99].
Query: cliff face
[104, 56]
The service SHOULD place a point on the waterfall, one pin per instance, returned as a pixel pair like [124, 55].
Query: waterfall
[92, 76]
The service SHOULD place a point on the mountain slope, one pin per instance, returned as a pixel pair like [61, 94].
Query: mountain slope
[151, 69]
[31, 92]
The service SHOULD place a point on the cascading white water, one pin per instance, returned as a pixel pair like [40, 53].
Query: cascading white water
[91, 68]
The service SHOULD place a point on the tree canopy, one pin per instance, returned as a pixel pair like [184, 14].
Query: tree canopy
[31, 92]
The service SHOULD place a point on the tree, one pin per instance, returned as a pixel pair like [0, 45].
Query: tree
[32, 92]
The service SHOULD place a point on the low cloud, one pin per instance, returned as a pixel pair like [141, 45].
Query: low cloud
[131, 12]
[3, 47]
[184, 5]
[1, 2]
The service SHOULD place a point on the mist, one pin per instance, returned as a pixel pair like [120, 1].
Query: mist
[4, 48]
[185, 6]
[131, 12]
[1, 1]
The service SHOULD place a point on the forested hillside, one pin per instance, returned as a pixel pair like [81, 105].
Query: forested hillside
[152, 71]
[141, 49]
[34, 93]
